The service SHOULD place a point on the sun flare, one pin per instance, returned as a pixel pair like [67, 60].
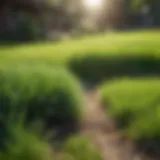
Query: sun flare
[93, 4]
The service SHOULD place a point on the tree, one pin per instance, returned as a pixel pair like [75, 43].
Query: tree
[139, 3]
[154, 8]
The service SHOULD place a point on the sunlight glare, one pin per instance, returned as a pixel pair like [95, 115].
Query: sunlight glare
[93, 4]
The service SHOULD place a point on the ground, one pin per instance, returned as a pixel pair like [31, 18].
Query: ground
[103, 133]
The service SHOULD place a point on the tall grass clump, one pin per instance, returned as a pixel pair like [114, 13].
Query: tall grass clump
[27, 145]
[79, 148]
[134, 104]
[39, 93]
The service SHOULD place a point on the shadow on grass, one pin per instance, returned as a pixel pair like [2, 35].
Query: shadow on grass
[62, 130]
[95, 67]
[150, 148]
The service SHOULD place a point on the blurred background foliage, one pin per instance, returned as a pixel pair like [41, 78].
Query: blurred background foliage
[37, 20]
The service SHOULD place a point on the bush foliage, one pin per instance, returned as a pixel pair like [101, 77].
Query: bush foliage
[94, 58]
[79, 148]
[39, 92]
[97, 67]
[134, 103]
[29, 144]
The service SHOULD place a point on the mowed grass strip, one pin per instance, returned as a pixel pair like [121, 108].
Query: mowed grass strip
[107, 44]
[93, 58]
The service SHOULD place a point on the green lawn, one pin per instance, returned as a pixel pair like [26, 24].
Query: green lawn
[92, 58]
[58, 53]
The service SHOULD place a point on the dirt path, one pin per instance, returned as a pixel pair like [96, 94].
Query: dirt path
[103, 133]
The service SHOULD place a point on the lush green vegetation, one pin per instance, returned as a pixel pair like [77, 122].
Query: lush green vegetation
[31, 145]
[28, 94]
[134, 104]
[94, 58]
[41, 93]
[80, 148]
[121, 56]
[28, 145]
[35, 84]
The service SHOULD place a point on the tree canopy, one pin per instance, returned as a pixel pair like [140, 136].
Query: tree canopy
[139, 3]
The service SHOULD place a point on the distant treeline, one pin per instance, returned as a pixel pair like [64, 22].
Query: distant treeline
[31, 20]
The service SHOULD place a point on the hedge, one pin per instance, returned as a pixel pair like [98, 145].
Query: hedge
[98, 67]
[134, 104]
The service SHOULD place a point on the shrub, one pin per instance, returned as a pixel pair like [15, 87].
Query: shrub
[31, 145]
[27, 29]
[134, 103]
[39, 92]
[97, 67]
[27, 145]
[79, 148]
